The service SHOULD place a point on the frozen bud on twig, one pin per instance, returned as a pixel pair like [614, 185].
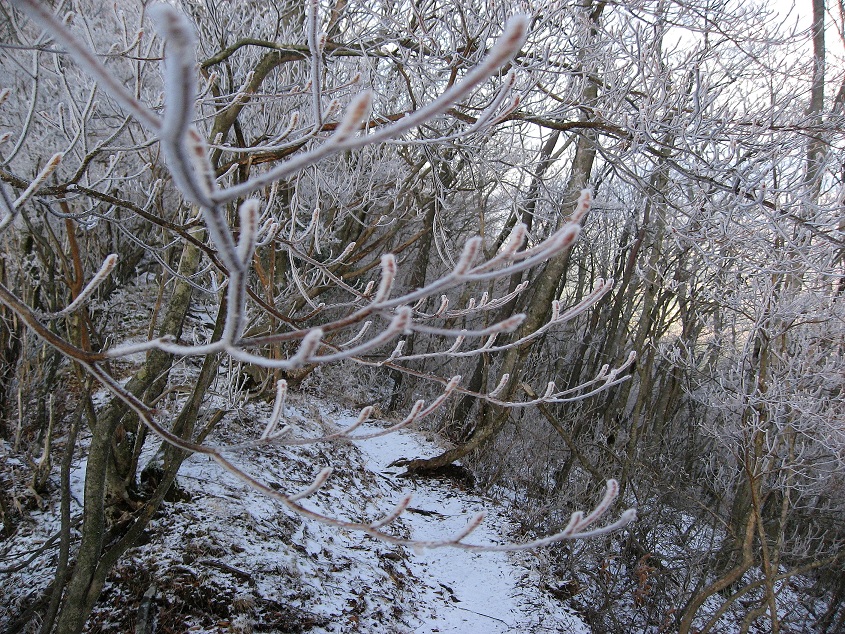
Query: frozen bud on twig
[359, 336]
[585, 201]
[173, 26]
[473, 523]
[388, 275]
[43, 175]
[401, 321]
[508, 109]
[357, 112]
[502, 383]
[278, 410]
[513, 37]
[108, 265]
[396, 352]
[248, 214]
[333, 108]
[363, 416]
[319, 481]
[309, 345]
[610, 495]
[395, 513]
[516, 239]
[468, 255]
[267, 232]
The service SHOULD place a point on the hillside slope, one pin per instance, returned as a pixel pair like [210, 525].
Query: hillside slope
[223, 558]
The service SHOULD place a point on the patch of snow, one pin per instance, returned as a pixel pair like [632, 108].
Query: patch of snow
[464, 591]
[231, 555]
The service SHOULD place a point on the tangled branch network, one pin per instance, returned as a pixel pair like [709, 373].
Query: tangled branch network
[187, 158]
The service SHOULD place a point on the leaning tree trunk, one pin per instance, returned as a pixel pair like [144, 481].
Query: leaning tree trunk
[537, 310]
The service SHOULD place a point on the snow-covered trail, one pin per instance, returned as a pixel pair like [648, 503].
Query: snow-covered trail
[224, 557]
[464, 591]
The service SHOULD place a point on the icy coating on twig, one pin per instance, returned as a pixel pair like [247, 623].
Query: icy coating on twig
[187, 157]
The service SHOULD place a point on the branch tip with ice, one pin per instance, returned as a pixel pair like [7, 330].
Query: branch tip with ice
[502, 383]
[357, 112]
[38, 181]
[318, 482]
[585, 201]
[278, 411]
[388, 276]
[248, 214]
[394, 514]
[363, 416]
[108, 265]
[468, 255]
[474, 522]
[309, 345]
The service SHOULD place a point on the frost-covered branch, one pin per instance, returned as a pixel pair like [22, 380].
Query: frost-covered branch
[233, 258]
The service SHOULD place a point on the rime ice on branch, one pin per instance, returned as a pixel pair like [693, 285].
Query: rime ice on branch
[187, 158]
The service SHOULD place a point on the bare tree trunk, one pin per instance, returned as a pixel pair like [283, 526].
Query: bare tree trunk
[526, 215]
[97, 555]
[445, 179]
[537, 309]
[148, 383]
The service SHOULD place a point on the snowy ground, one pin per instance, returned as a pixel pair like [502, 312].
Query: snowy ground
[223, 558]
[228, 559]
[465, 591]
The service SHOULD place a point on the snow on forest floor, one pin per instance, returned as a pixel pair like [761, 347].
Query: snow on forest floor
[466, 591]
[221, 557]
[225, 558]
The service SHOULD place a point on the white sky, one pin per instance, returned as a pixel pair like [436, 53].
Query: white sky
[801, 11]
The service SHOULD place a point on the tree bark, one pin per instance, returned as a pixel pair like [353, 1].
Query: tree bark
[537, 309]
